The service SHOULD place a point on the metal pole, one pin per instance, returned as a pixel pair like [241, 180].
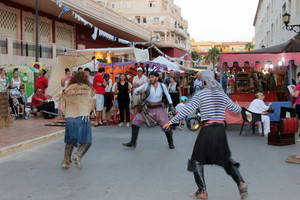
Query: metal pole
[37, 28]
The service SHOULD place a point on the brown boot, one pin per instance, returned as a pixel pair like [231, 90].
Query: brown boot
[200, 195]
[66, 163]
[81, 150]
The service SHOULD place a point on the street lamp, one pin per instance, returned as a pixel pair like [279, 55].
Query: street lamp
[286, 20]
[37, 30]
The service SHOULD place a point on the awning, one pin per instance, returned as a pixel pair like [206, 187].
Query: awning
[283, 53]
[169, 64]
[95, 12]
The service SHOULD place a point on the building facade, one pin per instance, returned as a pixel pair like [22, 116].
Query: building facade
[56, 35]
[268, 22]
[162, 17]
[225, 47]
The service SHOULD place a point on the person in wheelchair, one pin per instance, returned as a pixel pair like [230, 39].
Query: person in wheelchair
[17, 102]
[258, 106]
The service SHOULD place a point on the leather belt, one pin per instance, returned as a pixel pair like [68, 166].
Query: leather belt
[213, 122]
[155, 105]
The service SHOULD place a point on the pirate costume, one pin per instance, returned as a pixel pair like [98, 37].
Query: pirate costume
[153, 110]
[211, 147]
[77, 101]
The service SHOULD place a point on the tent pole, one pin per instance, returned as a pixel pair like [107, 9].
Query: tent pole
[94, 62]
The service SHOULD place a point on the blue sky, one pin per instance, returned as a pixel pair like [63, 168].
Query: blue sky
[219, 20]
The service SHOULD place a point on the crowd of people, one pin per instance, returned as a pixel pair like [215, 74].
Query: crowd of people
[81, 97]
[115, 100]
[18, 99]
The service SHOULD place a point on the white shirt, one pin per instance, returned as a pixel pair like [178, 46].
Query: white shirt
[91, 79]
[109, 86]
[16, 83]
[140, 81]
[156, 94]
[3, 85]
[198, 83]
[258, 106]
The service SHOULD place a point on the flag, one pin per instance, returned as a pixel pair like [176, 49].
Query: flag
[63, 11]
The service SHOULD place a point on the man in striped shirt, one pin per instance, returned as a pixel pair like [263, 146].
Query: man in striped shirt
[211, 146]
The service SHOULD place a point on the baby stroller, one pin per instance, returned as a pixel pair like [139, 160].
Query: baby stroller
[17, 103]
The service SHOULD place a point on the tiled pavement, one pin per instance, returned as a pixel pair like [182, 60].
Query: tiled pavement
[23, 130]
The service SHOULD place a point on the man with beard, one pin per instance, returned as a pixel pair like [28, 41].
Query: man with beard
[153, 111]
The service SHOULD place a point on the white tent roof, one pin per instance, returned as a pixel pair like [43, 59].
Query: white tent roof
[140, 55]
[169, 64]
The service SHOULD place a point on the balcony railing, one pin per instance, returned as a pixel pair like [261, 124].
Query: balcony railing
[3, 46]
[23, 48]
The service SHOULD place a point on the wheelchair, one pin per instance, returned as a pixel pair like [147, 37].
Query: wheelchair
[17, 102]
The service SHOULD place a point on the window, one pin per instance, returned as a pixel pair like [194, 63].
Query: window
[138, 19]
[113, 5]
[152, 4]
[156, 20]
[144, 20]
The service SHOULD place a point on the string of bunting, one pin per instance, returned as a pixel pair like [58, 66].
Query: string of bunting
[100, 33]
[165, 55]
[97, 31]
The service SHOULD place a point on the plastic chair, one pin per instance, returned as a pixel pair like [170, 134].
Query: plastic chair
[251, 118]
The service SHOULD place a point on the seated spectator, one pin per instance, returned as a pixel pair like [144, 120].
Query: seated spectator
[258, 106]
[38, 101]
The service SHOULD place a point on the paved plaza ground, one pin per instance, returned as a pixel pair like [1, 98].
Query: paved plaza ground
[151, 172]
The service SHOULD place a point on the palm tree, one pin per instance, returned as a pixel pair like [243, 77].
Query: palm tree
[195, 55]
[249, 46]
[213, 56]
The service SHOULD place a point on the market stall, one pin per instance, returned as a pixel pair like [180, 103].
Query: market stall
[269, 70]
[94, 58]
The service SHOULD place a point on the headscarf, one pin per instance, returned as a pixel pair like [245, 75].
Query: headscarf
[209, 78]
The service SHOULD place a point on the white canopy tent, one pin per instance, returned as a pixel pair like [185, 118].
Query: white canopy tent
[78, 58]
[169, 64]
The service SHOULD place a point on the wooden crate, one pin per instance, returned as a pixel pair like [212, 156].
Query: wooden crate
[5, 118]
[281, 140]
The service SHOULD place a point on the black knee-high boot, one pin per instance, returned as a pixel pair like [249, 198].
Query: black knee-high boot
[134, 136]
[233, 171]
[169, 135]
[198, 169]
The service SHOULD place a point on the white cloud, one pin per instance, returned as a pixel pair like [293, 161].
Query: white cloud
[219, 20]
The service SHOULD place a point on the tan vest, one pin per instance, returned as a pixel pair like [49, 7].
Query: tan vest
[77, 100]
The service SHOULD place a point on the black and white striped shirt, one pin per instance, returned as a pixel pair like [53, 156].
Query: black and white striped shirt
[212, 105]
